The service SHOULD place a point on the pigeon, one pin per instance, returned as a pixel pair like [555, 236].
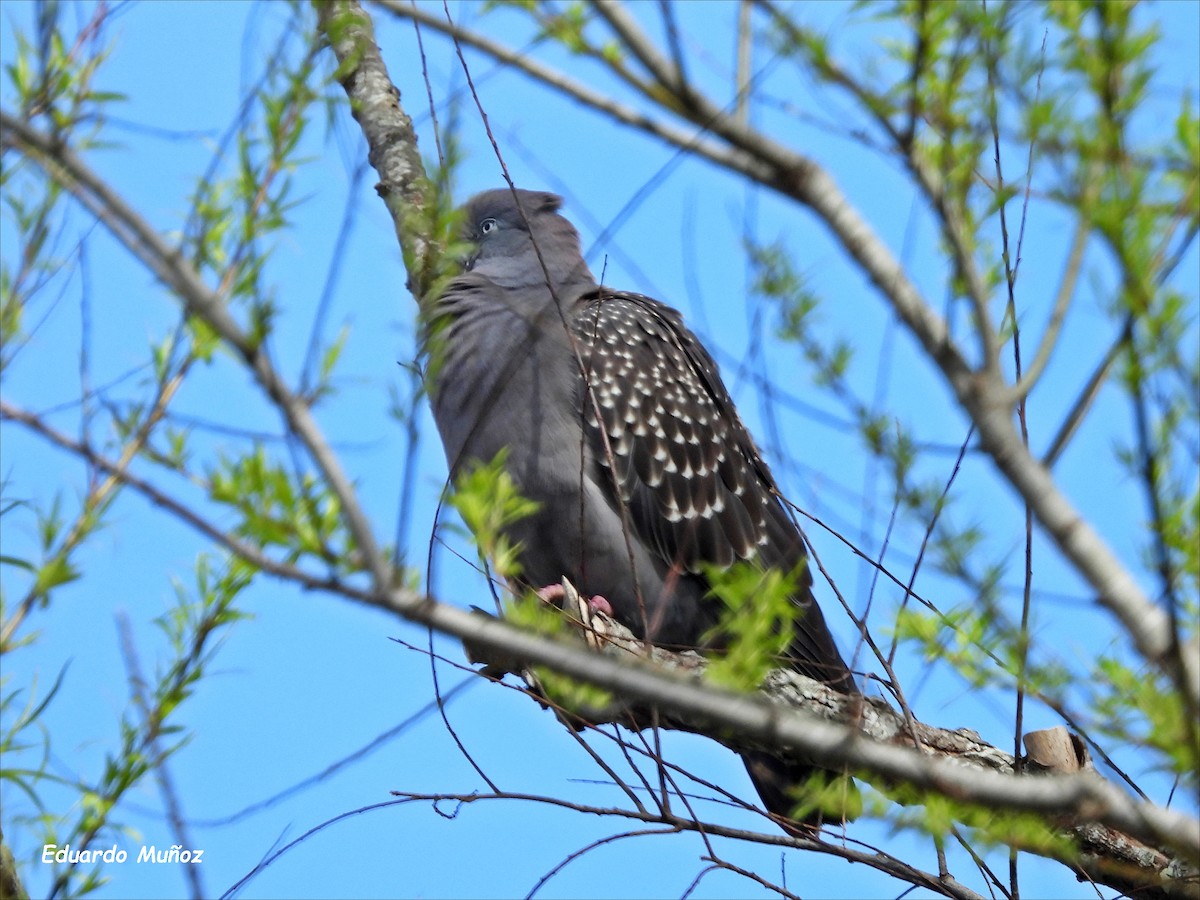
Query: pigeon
[614, 419]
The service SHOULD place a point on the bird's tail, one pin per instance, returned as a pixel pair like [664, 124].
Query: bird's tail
[801, 798]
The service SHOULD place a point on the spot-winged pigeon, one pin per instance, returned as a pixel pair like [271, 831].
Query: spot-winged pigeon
[617, 423]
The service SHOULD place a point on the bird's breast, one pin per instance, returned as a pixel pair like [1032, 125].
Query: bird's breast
[501, 383]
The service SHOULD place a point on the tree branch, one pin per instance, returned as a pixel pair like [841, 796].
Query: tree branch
[391, 139]
[10, 882]
[172, 506]
[691, 141]
[169, 265]
[1062, 301]
[897, 868]
[1106, 855]
[1108, 823]
[674, 685]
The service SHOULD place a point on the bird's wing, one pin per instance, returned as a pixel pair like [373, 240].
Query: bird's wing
[674, 451]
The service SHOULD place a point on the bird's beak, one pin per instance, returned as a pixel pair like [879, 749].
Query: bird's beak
[468, 261]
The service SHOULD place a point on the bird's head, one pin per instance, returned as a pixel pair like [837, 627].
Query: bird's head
[503, 237]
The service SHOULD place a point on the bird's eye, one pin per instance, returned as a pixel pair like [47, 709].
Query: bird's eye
[487, 226]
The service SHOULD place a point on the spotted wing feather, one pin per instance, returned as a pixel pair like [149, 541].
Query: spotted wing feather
[683, 462]
[686, 469]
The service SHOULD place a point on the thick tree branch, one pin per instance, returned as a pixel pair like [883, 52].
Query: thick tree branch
[787, 689]
[1108, 854]
[10, 882]
[944, 764]
[686, 702]
[391, 140]
[1105, 854]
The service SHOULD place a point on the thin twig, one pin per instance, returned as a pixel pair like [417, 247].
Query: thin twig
[162, 773]
[1087, 395]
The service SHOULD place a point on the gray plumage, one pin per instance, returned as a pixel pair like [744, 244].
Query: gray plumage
[616, 421]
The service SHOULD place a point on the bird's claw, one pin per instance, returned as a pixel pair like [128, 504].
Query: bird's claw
[591, 614]
[599, 604]
[555, 593]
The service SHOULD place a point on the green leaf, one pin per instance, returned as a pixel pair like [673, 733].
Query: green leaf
[757, 625]
[489, 502]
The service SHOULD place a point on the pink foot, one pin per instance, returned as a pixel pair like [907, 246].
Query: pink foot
[601, 605]
[553, 593]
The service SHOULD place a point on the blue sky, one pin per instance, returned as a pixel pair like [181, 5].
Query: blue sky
[310, 679]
